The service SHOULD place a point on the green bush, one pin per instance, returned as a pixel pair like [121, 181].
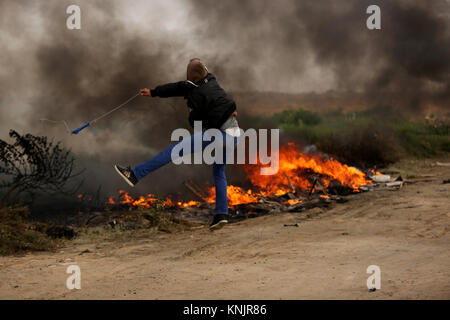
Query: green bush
[376, 136]
[421, 139]
[298, 117]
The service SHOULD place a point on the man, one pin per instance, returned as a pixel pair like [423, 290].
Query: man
[209, 104]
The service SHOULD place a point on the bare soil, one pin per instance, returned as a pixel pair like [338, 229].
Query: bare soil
[404, 232]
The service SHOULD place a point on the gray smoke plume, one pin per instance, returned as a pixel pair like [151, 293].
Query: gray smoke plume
[324, 45]
[48, 71]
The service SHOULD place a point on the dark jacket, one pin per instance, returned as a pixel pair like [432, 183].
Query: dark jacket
[208, 102]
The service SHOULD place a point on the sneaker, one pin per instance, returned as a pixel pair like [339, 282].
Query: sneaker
[219, 221]
[127, 174]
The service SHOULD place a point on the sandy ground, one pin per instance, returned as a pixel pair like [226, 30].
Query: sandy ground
[405, 233]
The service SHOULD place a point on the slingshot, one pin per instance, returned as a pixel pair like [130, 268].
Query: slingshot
[76, 131]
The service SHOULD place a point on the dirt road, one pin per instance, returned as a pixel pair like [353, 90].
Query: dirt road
[405, 233]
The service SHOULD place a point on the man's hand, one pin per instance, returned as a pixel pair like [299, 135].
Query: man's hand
[145, 92]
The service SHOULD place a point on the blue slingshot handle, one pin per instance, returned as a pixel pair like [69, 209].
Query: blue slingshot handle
[81, 128]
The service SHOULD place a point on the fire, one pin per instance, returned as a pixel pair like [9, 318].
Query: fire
[142, 201]
[293, 201]
[295, 168]
[236, 195]
[82, 197]
[188, 204]
[376, 173]
[148, 201]
[169, 203]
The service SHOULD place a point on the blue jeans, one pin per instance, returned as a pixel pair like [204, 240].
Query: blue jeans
[220, 180]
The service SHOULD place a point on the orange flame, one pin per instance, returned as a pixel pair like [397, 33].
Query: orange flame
[293, 201]
[188, 204]
[375, 172]
[296, 166]
[142, 201]
[148, 201]
[236, 195]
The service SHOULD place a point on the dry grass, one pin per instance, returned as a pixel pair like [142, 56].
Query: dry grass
[17, 234]
[134, 224]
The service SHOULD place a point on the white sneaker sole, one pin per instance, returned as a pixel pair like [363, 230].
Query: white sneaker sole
[218, 225]
[124, 178]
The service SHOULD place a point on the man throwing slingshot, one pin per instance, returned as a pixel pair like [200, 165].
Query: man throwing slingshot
[209, 104]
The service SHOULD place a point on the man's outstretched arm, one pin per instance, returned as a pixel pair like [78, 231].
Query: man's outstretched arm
[176, 89]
